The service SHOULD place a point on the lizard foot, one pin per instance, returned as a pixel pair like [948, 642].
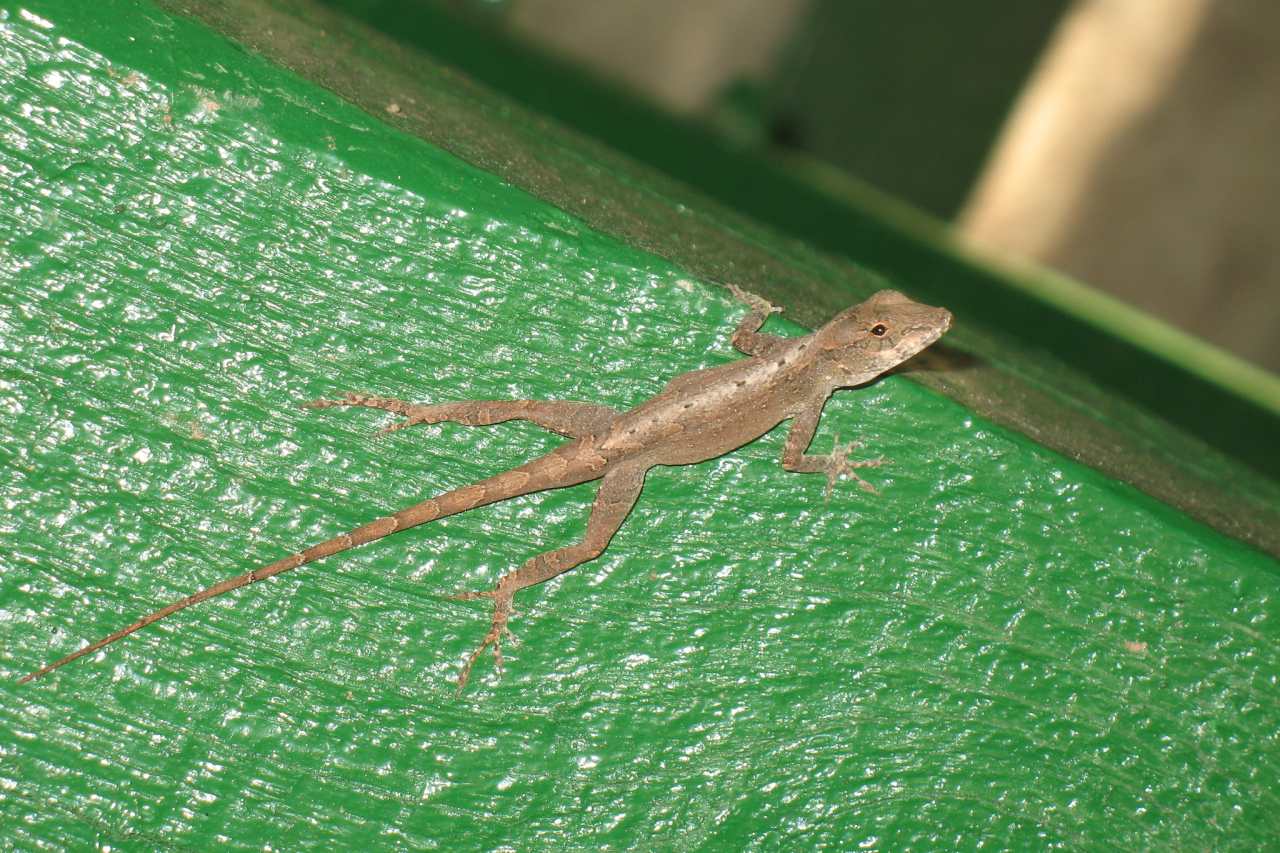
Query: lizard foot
[471, 596]
[398, 425]
[324, 404]
[493, 638]
[373, 401]
[753, 301]
[840, 465]
[350, 398]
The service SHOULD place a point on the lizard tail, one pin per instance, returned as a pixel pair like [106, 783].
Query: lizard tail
[567, 465]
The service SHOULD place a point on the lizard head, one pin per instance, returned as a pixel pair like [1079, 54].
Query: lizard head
[873, 336]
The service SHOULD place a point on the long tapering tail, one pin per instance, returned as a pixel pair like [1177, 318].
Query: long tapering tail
[567, 465]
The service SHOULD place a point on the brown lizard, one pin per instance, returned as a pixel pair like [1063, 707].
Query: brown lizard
[698, 416]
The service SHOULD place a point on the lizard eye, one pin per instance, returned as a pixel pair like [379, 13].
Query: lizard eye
[879, 330]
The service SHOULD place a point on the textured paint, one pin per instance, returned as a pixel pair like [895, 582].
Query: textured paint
[1001, 647]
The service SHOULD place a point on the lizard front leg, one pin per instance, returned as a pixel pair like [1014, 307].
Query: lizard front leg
[833, 464]
[567, 418]
[618, 492]
[747, 338]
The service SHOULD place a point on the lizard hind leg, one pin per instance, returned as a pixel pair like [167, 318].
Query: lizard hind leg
[565, 417]
[618, 492]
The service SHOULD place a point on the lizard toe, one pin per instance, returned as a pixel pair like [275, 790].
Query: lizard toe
[322, 403]
[471, 596]
[395, 427]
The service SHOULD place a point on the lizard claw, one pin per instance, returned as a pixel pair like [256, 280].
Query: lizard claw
[753, 301]
[839, 465]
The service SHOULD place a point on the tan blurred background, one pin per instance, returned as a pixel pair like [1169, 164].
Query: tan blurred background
[1129, 143]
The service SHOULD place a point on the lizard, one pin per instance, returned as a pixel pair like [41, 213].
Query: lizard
[698, 416]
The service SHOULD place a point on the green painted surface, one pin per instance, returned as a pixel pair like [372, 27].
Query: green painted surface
[1001, 647]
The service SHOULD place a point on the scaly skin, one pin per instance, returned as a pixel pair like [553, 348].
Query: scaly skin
[698, 416]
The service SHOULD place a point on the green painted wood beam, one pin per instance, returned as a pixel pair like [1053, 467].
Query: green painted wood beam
[1003, 646]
